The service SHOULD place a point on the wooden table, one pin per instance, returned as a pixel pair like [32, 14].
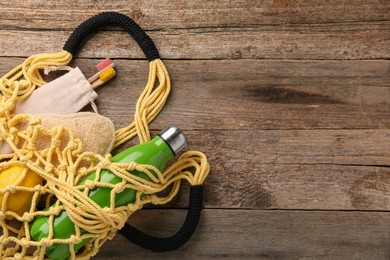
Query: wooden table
[288, 99]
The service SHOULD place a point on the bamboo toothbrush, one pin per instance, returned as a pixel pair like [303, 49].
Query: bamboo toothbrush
[104, 76]
[106, 72]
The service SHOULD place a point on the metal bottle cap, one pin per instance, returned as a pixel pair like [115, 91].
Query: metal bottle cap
[174, 137]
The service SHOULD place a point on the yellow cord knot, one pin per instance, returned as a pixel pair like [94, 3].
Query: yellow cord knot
[90, 184]
[72, 145]
[31, 147]
[10, 138]
[49, 168]
[131, 166]
[13, 130]
[27, 217]
[133, 207]
[23, 161]
[108, 157]
[10, 188]
[62, 167]
[54, 211]
[24, 242]
[104, 164]
[24, 84]
[71, 169]
[41, 189]
[74, 240]
[118, 188]
[155, 200]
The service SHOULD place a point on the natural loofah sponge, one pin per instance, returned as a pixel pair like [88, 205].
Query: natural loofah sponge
[96, 132]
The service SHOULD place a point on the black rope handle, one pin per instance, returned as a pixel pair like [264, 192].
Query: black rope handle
[112, 18]
[180, 238]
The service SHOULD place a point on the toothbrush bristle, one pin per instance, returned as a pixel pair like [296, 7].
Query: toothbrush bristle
[104, 64]
[107, 74]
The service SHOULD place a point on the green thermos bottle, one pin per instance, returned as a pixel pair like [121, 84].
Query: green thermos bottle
[156, 152]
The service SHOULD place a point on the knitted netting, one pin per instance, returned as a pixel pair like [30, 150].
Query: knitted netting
[62, 163]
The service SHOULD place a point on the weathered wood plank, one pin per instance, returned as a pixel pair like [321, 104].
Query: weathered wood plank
[253, 95]
[327, 41]
[262, 94]
[252, 234]
[346, 147]
[66, 15]
[295, 169]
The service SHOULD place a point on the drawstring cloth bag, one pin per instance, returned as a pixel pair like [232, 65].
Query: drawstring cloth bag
[63, 162]
[64, 95]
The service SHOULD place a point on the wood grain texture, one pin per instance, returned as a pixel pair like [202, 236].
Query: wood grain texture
[213, 30]
[253, 95]
[338, 41]
[165, 14]
[253, 234]
[295, 169]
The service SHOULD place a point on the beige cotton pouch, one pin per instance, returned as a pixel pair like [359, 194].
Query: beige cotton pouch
[57, 102]
[64, 95]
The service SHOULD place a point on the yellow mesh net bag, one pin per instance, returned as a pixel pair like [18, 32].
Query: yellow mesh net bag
[49, 175]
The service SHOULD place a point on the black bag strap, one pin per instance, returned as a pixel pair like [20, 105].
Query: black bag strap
[196, 192]
[180, 238]
[112, 18]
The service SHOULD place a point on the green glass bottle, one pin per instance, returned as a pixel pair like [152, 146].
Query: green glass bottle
[156, 152]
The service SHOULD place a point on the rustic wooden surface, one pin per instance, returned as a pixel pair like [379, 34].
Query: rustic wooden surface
[288, 99]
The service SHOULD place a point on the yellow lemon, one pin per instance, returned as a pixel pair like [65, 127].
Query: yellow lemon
[19, 201]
